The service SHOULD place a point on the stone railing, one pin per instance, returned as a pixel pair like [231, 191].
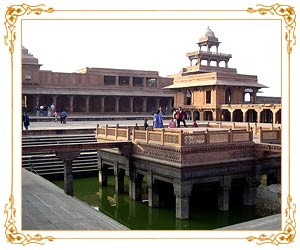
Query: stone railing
[113, 133]
[269, 136]
[188, 138]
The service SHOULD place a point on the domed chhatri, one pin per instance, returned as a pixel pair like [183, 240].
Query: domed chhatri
[208, 33]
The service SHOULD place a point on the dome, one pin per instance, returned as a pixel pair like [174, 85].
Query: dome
[208, 33]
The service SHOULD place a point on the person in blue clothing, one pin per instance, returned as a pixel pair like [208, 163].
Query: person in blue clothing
[63, 117]
[158, 120]
[26, 120]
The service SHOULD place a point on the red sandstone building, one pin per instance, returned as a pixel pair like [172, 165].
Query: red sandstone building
[93, 90]
[207, 89]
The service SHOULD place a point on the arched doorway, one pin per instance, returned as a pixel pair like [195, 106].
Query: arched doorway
[251, 115]
[225, 116]
[208, 115]
[238, 115]
[266, 116]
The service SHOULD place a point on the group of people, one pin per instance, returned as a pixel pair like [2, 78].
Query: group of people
[26, 119]
[179, 115]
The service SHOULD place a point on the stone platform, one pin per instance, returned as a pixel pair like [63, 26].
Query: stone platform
[46, 207]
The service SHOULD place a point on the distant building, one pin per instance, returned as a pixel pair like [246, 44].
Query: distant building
[209, 90]
[93, 90]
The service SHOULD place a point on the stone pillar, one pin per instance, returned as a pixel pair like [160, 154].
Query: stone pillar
[258, 116]
[274, 116]
[87, 104]
[157, 103]
[135, 187]
[131, 104]
[231, 115]
[117, 104]
[130, 81]
[67, 157]
[71, 103]
[144, 82]
[55, 100]
[102, 104]
[223, 194]
[119, 179]
[153, 194]
[145, 104]
[103, 173]
[249, 192]
[244, 115]
[37, 101]
[182, 192]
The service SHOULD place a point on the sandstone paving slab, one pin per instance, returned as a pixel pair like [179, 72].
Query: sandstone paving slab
[46, 207]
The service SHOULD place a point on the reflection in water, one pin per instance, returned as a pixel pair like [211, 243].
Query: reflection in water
[138, 216]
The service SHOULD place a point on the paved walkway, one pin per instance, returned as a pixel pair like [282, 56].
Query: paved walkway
[46, 207]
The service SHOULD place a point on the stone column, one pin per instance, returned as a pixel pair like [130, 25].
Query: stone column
[67, 157]
[131, 104]
[157, 102]
[144, 82]
[130, 81]
[153, 194]
[135, 187]
[102, 104]
[145, 104]
[103, 173]
[55, 100]
[223, 194]
[117, 104]
[182, 191]
[87, 104]
[258, 116]
[231, 115]
[249, 192]
[274, 116]
[119, 179]
[71, 103]
[244, 115]
[37, 100]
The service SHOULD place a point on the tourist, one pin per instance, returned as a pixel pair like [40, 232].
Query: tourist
[146, 125]
[172, 123]
[195, 123]
[63, 117]
[26, 120]
[180, 116]
[158, 120]
[55, 115]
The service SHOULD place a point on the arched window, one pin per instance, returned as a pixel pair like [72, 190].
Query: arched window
[228, 96]
[188, 97]
[248, 95]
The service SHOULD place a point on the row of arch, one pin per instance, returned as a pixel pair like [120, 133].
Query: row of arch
[237, 115]
[98, 104]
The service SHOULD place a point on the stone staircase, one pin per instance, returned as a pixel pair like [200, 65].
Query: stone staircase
[49, 166]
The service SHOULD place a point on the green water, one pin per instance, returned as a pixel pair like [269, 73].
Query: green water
[137, 215]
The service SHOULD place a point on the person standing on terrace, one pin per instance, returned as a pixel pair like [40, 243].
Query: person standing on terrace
[180, 116]
[158, 120]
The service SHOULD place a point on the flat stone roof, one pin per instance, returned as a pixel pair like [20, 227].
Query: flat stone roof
[46, 207]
